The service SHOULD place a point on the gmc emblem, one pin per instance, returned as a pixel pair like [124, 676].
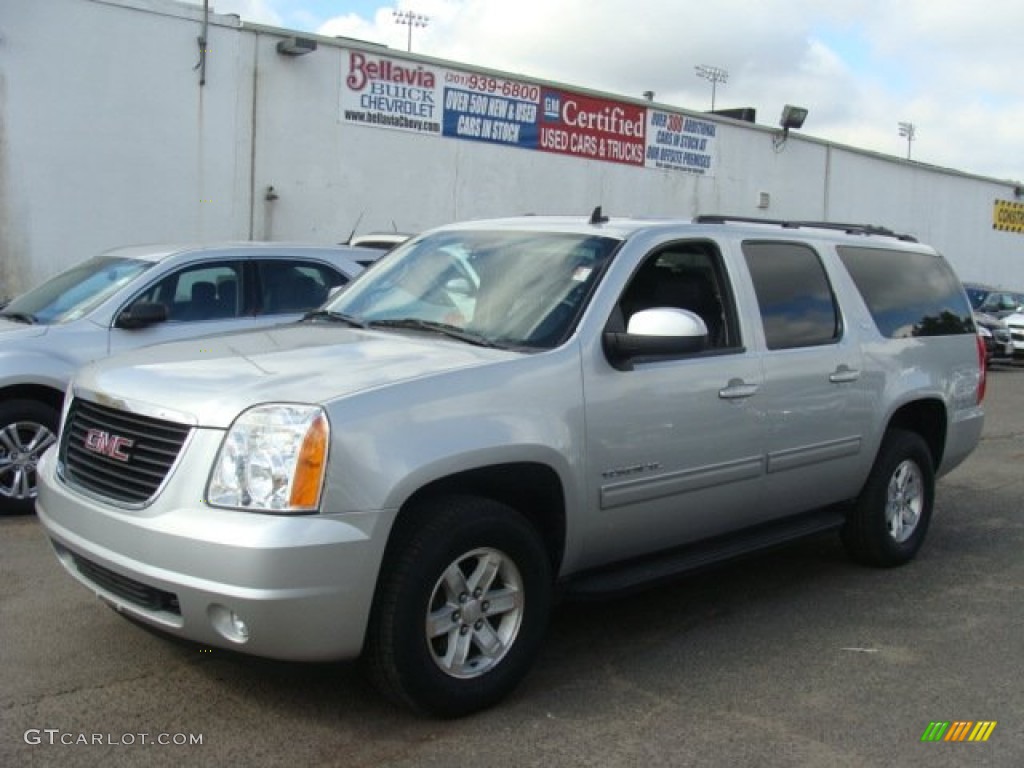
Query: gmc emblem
[106, 444]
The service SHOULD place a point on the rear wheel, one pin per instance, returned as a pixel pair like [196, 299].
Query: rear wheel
[27, 429]
[890, 518]
[461, 607]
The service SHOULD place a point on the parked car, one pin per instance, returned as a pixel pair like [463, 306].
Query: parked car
[138, 296]
[1002, 303]
[501, 411]
[1015, 324]
[977, 293]
[382, 241]
[996, 335]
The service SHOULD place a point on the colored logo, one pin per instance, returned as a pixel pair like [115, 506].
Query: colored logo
[106, 444]
[552, 107]
[959, 730]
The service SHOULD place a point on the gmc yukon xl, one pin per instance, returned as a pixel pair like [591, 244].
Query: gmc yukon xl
[502, 412]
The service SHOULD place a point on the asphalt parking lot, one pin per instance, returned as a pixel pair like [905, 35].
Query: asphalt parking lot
[796, 658]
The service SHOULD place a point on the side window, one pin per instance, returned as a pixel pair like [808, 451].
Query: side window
[908, 293]
[798, 308]
[295, 286]
[199, 292]
[686, 275]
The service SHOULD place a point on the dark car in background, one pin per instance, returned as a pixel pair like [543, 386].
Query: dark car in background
[991, 305]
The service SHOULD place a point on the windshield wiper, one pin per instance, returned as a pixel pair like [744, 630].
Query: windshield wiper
[339, 317]
[451, 331]
[20, 317]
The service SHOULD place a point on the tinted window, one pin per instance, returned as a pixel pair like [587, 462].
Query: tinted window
[793, 294]
[206, 291]
[295, 286]
[909, 294]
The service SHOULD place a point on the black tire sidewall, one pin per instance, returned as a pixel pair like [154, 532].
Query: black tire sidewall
[35, 412]
[448, 532]
[866, 534]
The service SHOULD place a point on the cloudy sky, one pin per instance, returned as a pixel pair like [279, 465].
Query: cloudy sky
[952, 68]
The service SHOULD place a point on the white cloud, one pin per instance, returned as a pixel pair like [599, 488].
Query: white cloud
[257, 11]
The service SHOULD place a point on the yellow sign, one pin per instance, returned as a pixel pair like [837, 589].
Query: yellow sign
[1008, 216]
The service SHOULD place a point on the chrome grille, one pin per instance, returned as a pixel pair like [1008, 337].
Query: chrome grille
[116, 454]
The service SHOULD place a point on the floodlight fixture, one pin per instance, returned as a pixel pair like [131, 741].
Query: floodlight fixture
[296, 46]
[715, 75]
[908, 130]
[792, 117]
[410, 20]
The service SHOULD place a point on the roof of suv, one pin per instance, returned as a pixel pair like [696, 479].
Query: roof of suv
[626, 226]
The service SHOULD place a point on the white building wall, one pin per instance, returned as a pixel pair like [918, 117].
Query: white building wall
[107, 138]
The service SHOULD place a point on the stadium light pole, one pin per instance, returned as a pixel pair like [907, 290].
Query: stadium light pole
[908, 130]
[410, 19]
[715, 74]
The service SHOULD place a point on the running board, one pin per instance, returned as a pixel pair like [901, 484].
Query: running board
[649, 570]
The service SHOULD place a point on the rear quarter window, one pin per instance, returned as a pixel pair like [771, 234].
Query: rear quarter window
[908, 294]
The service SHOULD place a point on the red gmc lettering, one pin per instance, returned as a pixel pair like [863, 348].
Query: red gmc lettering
[114, 446]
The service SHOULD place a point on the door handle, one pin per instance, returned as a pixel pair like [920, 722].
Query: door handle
[737, 389]
[844, 374]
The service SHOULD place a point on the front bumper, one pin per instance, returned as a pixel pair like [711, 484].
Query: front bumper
[295, 587]
[1017, 340]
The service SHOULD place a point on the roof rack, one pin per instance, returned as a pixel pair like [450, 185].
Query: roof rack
[850, 229]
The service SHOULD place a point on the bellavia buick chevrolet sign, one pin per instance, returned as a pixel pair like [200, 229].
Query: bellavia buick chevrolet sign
[381, 92]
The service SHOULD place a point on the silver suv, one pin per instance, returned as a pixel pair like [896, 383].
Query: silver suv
[132, 297]
[500, 411]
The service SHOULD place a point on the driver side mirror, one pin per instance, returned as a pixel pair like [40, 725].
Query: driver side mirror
[141, 314]
[659, 332]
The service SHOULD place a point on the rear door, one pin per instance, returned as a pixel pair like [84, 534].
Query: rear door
[815, 398]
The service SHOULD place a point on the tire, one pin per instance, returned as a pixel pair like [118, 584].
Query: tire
[889, 520]
[27, 429]
[436, 641]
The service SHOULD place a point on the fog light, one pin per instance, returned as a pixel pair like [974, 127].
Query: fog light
[228, 623]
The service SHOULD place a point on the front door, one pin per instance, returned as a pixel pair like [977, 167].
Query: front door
[675, 446]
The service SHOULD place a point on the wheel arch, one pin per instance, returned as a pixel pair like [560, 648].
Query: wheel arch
[531, 488]
[928, 418]
[51, 396]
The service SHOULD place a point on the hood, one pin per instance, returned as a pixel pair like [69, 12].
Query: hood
[987, 320]
[13, 331]
[212, 380]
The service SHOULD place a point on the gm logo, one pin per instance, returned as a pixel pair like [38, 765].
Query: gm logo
[106, 444]
[552, 107]
[959, 730]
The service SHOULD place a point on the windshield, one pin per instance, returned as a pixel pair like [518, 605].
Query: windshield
[1000, 302]
[514, 289]
[72, 294]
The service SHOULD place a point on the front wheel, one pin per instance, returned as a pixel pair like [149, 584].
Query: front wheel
[27, 429]
[461, 607]
[890, 518]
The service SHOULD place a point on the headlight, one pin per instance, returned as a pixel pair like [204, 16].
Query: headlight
[984, 332]
[273, 459]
